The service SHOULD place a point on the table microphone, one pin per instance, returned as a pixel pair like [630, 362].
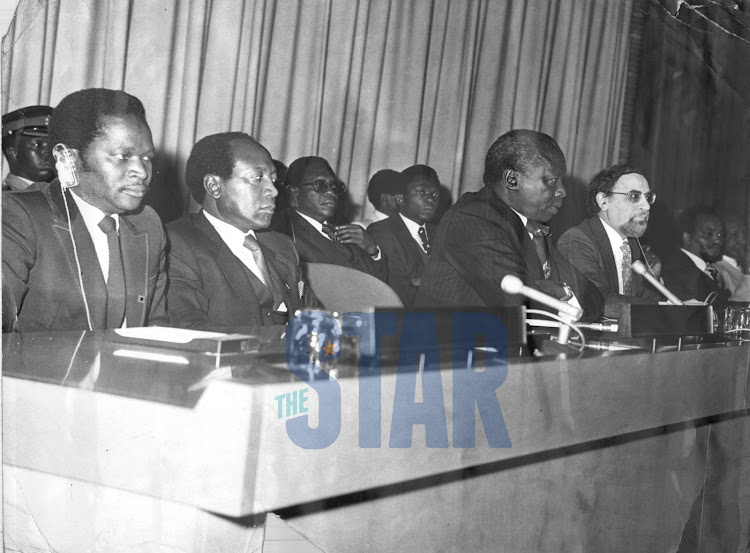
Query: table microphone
[513, 285]
[640, 268]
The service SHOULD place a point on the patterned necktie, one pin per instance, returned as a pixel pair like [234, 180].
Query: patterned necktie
[539, 233]
[251, 243]
[627, 268]
[423, 237]
[116, 275]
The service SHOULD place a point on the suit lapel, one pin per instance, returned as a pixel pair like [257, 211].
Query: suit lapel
[134, 248]
[322, 247]
[93, 280]
[601, 239]
[534, 268]
[231, 266]
[279, 273]
[412, 251]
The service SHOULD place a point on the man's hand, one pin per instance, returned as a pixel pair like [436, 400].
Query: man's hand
[354, 234]
[551, 288]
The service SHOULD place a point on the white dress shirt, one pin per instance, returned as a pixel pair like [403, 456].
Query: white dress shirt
[413, 228]
[234, 238]
[92, 216]
[615, 241]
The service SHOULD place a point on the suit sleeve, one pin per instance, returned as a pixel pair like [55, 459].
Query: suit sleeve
[19, 255]
[581, 252]
[398, 277]
[157, 314]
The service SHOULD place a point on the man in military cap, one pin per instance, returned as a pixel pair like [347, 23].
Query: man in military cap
[25, 147]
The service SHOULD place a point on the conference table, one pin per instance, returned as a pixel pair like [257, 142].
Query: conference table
[117, 446]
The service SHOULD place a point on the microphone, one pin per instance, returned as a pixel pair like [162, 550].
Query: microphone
[640, 268]
[513, 285]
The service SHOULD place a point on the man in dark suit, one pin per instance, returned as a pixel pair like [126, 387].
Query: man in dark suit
[87, 255]
[25, 147]
[405, 237]
[605, 246]
[487, 235]
[224, 276]
[690, 273]
[314, 193]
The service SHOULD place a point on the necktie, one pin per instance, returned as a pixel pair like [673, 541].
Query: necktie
[422, 233]
[627, 268]
[251, 243]
[115, 276]
[328, 230]
[539, 232]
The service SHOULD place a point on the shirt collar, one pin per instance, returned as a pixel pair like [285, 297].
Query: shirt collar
[317, 224]
[614, 238]
[699, 262]
[524, 219]
[413, 226]
[92, 215]
[229, 233]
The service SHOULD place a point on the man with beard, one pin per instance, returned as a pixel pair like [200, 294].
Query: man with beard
[690, 273]
[222, 275]
[25, 147]
[499, 231]
[86, 254]
[605, 246]
[405, 236]
[314, 194]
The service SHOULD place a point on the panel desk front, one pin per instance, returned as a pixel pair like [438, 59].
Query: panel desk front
[616, 452]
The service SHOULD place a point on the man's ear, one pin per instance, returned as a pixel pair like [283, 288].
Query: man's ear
[685, 238]
[601, 200]
[212, 184]
[292, 194]
[510, 179]
[399, 200]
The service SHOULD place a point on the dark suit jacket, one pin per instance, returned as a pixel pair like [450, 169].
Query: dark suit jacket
[404, 257]
[588, 248]
[686, 281]
[211, 289]
[480, 240]
[40, 278]
[313, 247]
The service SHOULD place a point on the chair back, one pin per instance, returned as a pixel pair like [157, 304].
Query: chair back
[348, 290]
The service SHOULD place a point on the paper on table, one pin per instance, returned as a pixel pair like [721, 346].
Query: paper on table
[167, 334]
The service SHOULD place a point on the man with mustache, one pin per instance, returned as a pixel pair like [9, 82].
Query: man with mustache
[690, 273]
[315, 193]
[405, 236]
[223, 275]
[605, 246]
[87, 254]
[499, 231]
[25, 147]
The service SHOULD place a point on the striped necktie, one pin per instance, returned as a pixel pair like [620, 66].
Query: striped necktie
[627, 268]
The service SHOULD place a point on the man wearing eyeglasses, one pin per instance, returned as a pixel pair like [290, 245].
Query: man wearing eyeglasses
[405, 236]
[605, 246]
[690, 273]
[314, 194]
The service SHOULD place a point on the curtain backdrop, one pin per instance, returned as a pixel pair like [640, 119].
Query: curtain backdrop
[366, 84]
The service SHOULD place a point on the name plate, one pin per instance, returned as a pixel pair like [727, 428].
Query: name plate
[651, 321]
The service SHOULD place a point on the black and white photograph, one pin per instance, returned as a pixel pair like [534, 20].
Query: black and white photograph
[334, 276]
